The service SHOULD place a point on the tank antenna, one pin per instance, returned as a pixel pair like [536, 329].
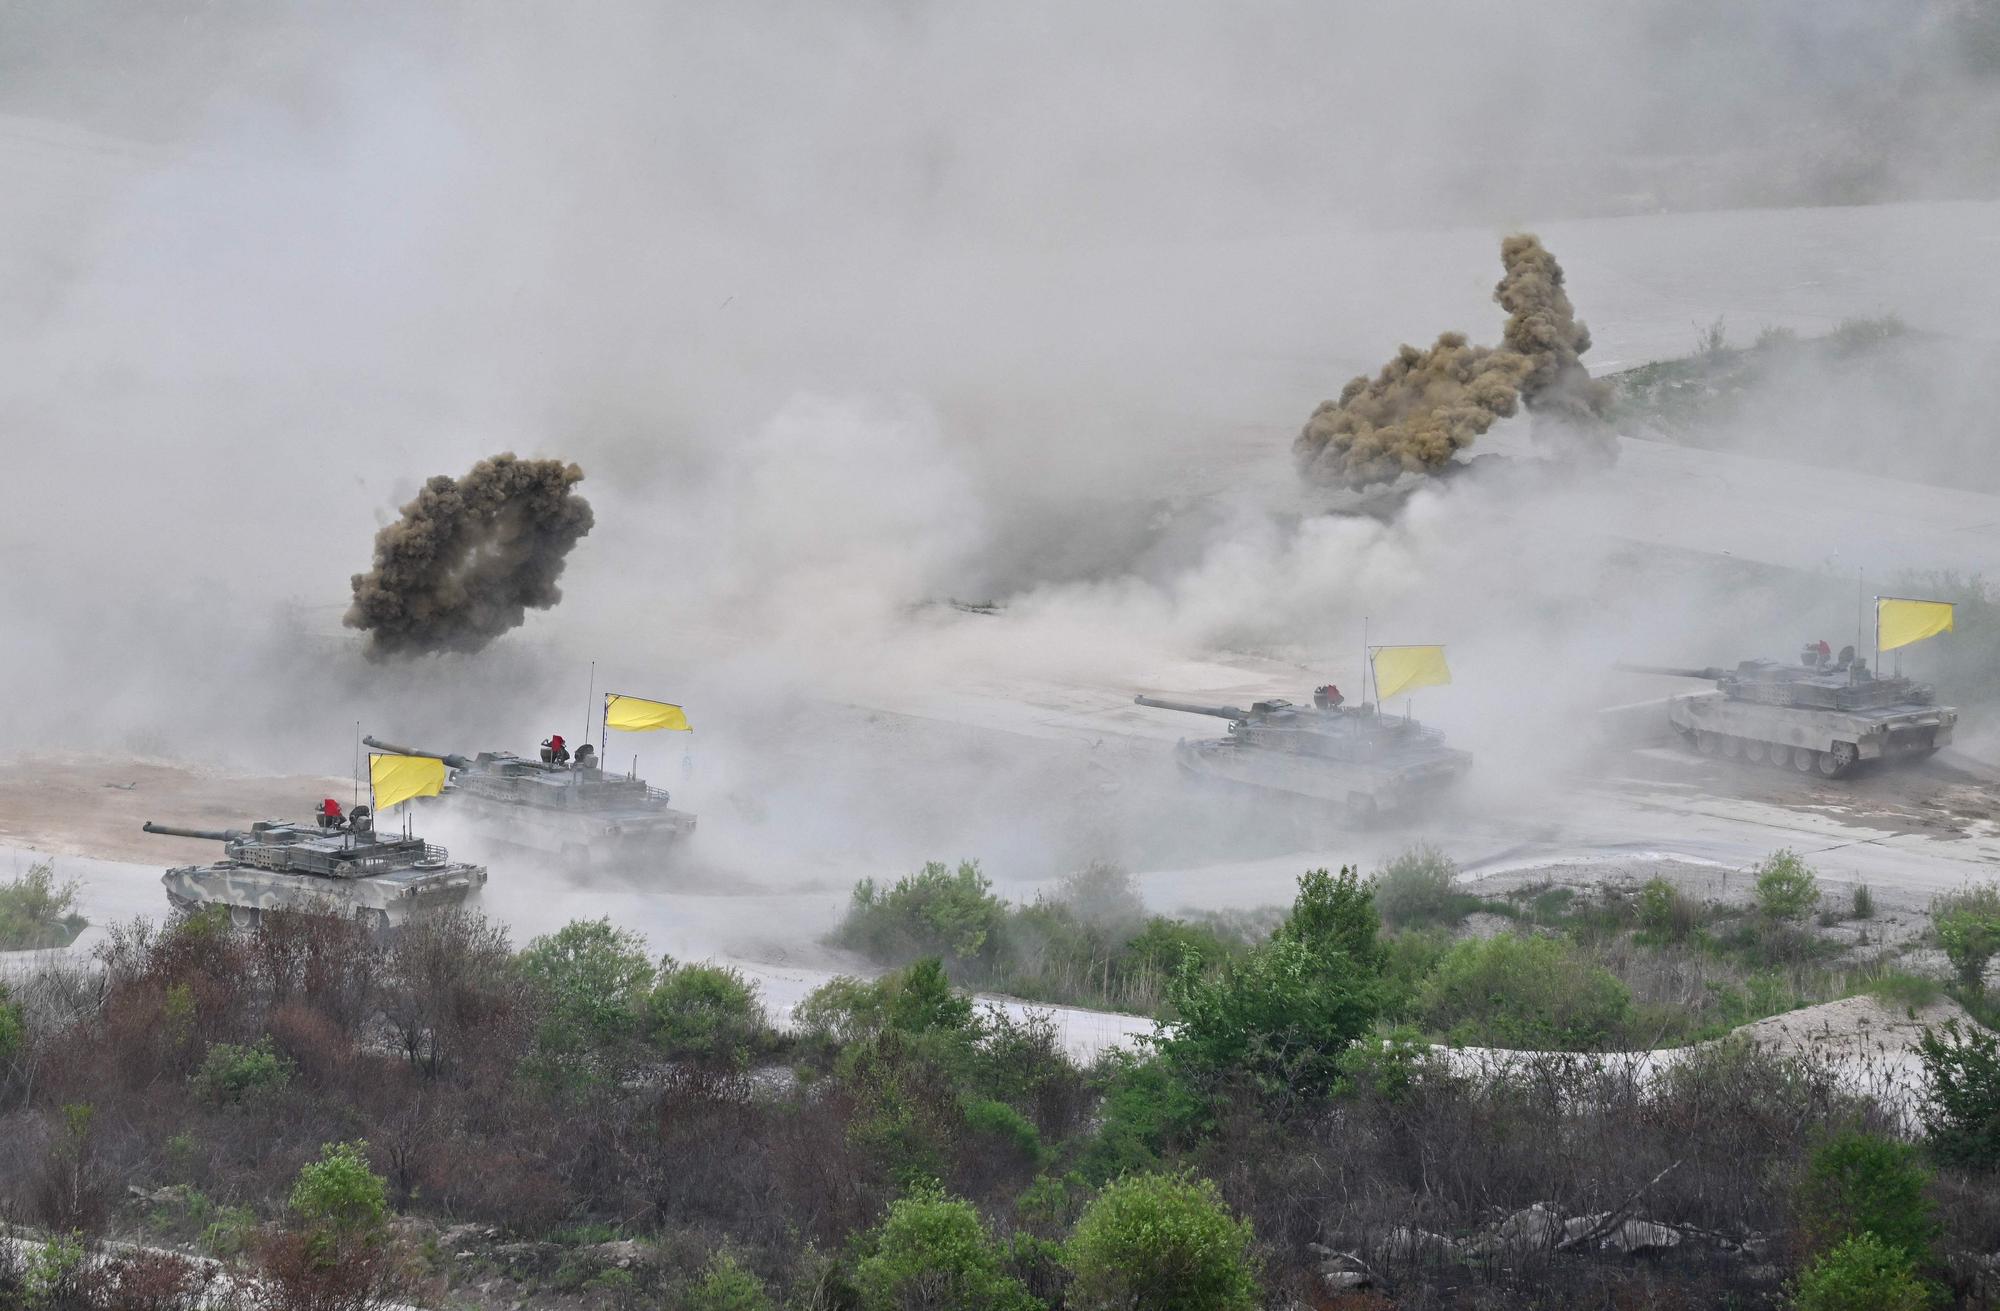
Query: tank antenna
[588, 699]
[357, 767]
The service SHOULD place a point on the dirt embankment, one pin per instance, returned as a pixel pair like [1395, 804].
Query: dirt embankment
[94, 806]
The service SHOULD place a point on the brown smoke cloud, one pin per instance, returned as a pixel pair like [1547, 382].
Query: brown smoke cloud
[1426, 405]
[470, 557]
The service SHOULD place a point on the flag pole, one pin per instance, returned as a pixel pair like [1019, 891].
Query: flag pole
[1876, 668]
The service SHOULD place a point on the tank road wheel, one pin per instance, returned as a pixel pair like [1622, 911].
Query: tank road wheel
[244, 917]
[1834, 763]
[1753, 751]
[1732, 748]
[1777, 755]
[1709, 744]
[1805, 759]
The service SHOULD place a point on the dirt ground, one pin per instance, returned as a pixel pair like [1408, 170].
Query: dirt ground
[94, 806]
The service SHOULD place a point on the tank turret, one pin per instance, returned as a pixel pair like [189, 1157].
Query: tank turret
[1328, 751]
[572, 808]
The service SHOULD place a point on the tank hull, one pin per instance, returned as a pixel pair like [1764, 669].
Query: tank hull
[382, 901]
[574, 834]
[1363, 789]
[1828, 742]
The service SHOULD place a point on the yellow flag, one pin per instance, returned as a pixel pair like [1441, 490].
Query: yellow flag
[631, 714]
[1400, 669]
[395, 779]
[1899, 622]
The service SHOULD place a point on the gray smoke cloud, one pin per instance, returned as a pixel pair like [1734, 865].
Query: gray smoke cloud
[470, 557]
[1427, 405]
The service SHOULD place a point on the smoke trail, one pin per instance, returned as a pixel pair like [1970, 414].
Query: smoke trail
[469, 557]
[1426, 405]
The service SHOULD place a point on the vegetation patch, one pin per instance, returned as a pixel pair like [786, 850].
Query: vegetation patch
[37, 912]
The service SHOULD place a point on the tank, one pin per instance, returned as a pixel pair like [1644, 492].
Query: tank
[570, 808]
[1352, 755]
[380, 880]
[1817, 716]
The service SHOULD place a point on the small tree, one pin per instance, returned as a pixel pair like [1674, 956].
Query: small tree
[1420, 886]
[932, 1253]
[1533, 992]
[338, 1194]
[934, 912]
[1968, 928]
[726, 1286]
[593, 979]
[1860, 1183]
[1160, 1242]
[1787, 889]
[1962, 1111]
[1862, 1273]
[705, 1015]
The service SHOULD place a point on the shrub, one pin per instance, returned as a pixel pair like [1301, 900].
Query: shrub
[920, 999]
[1862, 1273]
[1537, 993]
[339, 1193]
[13, 1029]
[230, 1073]
[705, 1015]
[1860, 1183]
[1161, 1242]
[842, 1010]
[1787, 889]
[593, 980]
[935, 912]
[932, 1253]
[1962, 1110]
[727, 1286]
[1103, 895]
[36, 911]
[1864, 902]
[1968, 928]
[1283, 1013]
[1420, 886]
[1666, 912]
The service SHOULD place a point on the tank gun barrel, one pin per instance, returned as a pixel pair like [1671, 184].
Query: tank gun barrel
[1677, 671]
[1188, 707]
[208, 834]
[452, 761]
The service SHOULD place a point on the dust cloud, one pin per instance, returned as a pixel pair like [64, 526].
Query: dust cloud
[852, 311]
[470, 557]
[1427, 405]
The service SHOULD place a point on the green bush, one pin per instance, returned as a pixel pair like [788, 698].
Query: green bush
[1666, 912]
[1284, 1013]
[594, 980]
[1163, 1243]
[1968, 928]
[1862, 1273]
[842, 1010]
[705, 1015]
[932, 1253]
[1962, 1111]
[1860, 1183]
[1787, 889]
[13, 1029]
[38, 912]
[935, 912]
[339, 1193]
[230, 1073]
[1864, 902]
[1408, 960]
[1541, 994]
[1001, 1125]
[726, 1286]
[1420, 886]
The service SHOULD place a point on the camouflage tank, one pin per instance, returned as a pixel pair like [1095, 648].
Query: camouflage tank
[1368, 762]
[380, 880]
[570, 808]
[1818, 716]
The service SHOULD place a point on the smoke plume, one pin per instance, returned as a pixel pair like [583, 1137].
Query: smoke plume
[470, 557]
[1426, 405]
